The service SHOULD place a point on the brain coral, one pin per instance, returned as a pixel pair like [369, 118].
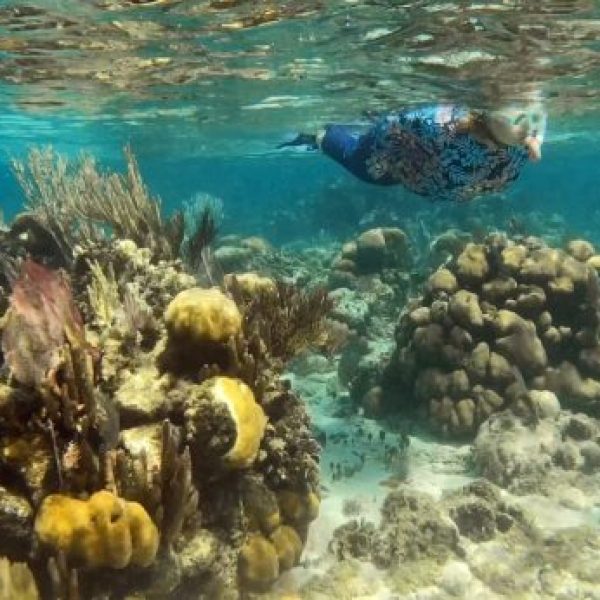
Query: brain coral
[200, 315]
[104, 531]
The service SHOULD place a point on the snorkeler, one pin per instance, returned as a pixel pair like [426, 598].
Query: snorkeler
[442, 152]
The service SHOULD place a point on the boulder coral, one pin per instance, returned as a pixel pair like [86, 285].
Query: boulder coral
[298, 508]
[250, 283]
[288, 546]
[200, 315]
[262, 560]
[258, 563]
[200, 323]
[223, 419]
[103, 531]
[373, 251]
[503, 319]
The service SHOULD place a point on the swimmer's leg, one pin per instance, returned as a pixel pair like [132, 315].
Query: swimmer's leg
[302, 139]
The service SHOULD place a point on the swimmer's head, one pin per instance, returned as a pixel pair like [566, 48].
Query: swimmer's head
[513, 126]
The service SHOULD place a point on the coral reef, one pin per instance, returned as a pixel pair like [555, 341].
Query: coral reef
[73, 200]
[301, 265]
[411, 527]
[503, 319]
[493, 548]
[144, 424]
[69, 419]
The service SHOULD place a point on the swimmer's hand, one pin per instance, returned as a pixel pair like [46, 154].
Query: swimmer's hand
[533, 145]
[302, 139]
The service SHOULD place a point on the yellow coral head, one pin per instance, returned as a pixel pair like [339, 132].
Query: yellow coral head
[104, 531]
[203, 315]
[258, 564]
[249, 418]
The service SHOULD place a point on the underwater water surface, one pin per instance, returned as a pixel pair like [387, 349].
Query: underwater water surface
[232, 370]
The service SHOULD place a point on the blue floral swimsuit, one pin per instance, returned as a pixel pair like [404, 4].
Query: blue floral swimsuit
[425, 150]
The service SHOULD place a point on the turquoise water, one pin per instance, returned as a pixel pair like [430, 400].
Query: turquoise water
[203, 91]
[250, 171]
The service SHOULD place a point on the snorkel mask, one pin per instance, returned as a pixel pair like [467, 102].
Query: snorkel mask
[519, 126]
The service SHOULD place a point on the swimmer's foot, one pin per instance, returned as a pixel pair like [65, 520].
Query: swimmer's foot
[302, 139]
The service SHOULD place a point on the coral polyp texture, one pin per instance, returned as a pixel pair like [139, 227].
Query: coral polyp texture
[502, 321]
[103, 531]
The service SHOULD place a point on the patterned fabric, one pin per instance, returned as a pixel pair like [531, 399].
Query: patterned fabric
[425, 150]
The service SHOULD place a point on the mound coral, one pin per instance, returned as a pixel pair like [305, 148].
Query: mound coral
[223, 416]
[373, 251]
[260, 506]
[258, 563]
[503, 319]
[281, 518]
[201, 324]
[298, 508]
[250, 283]
[104, 531]
[201, 315]
[288, 546]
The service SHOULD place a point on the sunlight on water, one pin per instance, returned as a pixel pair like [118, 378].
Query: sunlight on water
[266, 65]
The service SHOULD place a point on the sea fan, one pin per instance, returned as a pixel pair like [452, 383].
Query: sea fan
[42, 316]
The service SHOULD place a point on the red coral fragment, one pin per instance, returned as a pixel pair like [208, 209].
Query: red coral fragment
[41, 318]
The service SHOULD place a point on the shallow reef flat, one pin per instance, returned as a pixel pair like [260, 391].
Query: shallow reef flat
[498, 491]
